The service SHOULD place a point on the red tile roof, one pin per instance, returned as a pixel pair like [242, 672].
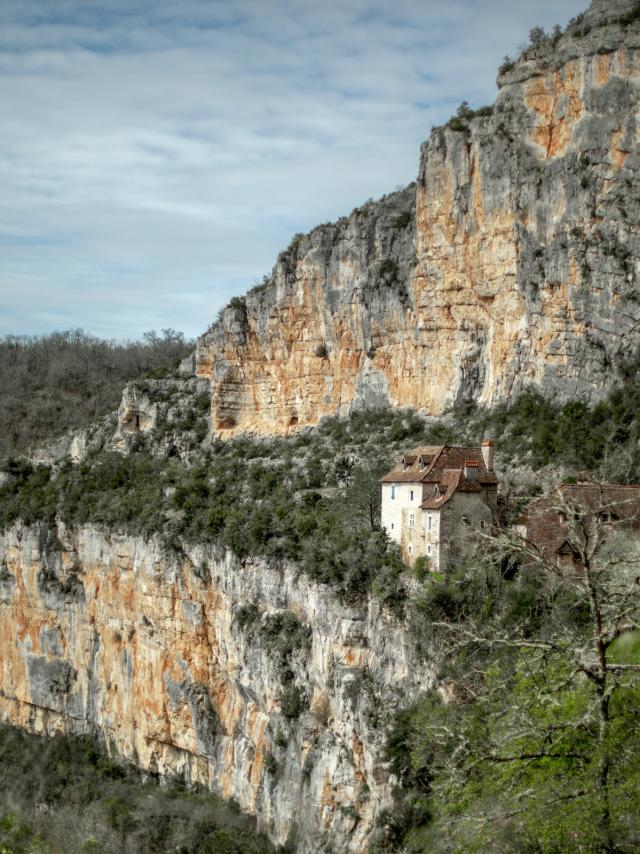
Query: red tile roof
[443, 467]
[549, 527]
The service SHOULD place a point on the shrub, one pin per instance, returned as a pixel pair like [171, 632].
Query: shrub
[280, 739]
[464, 115]
[508, 64]
[292, 702]
[631, 16]
[270, 763]
[422, 567]
[403, 220]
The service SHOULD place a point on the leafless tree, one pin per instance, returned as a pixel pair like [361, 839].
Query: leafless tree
[599, 570]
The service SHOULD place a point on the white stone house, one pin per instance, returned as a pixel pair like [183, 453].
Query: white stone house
[436, 498]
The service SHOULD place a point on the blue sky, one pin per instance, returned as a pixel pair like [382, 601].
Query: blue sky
[156, 155]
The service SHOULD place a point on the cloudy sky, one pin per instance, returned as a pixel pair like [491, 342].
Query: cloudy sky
[156, 155]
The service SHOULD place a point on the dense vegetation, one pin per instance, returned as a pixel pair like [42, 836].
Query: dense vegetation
[66, 380]
[64, 794]
[312, 498]
[542, 42]
[602, 439]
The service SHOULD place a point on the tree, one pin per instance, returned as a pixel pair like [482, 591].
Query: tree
[537, 746]
[66, 380]
[537, 36]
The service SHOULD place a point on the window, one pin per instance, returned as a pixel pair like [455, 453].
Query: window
[411, 495]
[562, 517]
[392, 526]
[428, 550]
[429, 520]
[393, 491]
[482, 524]
[412, 520]
[410, 549]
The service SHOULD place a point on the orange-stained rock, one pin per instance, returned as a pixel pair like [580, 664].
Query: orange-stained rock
[105, 633]
[512, 263]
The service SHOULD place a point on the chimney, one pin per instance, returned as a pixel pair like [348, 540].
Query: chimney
[487, 454]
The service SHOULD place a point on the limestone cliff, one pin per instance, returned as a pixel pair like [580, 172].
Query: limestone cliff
[179, 660]
[513, 261]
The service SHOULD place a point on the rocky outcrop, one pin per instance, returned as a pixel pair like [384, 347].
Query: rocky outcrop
[512, 263]
[245, 677]
[164, 416]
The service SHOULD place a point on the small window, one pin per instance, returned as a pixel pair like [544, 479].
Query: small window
[562, 517]
[412, 520]
[429, 520]
[393, 491]
[410, 549]
[482, 524]
[411, 495]
[392, 526]
[428, 550]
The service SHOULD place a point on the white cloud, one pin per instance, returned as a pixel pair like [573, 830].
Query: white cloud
[155, 156]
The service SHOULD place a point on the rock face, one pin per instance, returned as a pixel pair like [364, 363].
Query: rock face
[512, 263]
[185, 663]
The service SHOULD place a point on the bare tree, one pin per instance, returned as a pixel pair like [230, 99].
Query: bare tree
[576, 659]
[63, 381]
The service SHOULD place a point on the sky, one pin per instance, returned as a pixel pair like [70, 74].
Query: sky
[156, 155]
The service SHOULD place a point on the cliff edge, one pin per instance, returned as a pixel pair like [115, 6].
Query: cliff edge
[512, 262]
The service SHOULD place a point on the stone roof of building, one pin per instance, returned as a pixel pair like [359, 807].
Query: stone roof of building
[443, 466]
[551, 533]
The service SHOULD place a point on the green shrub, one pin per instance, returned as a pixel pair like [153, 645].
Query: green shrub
[403, 220]
[631, 16]
[464, 115]
[280, 739]
[271, 764]
[422, 567]
[292, 702]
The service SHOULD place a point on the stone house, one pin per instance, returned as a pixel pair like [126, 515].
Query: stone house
[552, 523]
[436, 498]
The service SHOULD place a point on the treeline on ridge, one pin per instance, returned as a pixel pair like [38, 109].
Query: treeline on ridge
[64, 381]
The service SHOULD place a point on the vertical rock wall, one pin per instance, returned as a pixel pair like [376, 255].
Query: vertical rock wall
[149, 648]
[512, 263]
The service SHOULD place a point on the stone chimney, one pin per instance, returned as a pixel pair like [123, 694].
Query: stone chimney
[487, 454]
